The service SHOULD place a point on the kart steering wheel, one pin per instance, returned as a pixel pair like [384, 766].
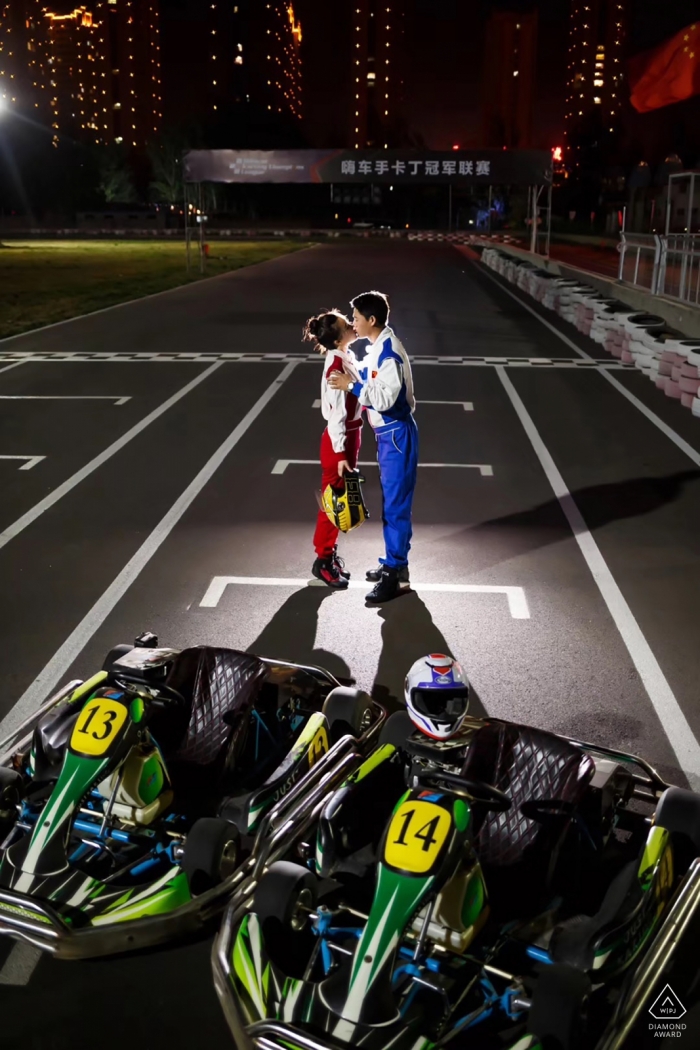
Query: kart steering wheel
[476, 791]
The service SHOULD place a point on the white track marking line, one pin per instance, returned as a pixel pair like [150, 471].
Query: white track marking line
[677, 440]
[15, 364]
[545, 322]
[517, 602]
[651, 416]
[65, 397]
[577, 364]
[61, 661]
[63, 489]
[485, 469]
[20, 964]
[667, 708]
[468, 406]
[31, 461]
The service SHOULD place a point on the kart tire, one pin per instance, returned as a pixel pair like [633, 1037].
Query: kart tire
[289, 940]
[397, 729]
[211, 853]
[114, 654]
[679, 812]
[559, 1008]
[10, 796]
[348, 711]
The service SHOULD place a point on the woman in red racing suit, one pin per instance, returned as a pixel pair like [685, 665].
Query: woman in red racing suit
[340, 442]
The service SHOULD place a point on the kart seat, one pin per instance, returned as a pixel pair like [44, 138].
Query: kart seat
[546, 778]
[218, 685]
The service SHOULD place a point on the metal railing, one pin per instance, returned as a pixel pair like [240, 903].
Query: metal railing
[640, 259]
[679, 267]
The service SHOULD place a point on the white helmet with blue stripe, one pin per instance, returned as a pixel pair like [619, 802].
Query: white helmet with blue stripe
[437, 695]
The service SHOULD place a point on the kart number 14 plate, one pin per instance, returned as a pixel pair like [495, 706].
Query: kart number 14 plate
[97, 726]
[416, 835]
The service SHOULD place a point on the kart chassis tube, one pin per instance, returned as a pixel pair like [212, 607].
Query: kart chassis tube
[53, 934]
[684, 905]
[295, 826]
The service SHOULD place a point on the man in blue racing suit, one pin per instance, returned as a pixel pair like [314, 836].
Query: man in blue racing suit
[385, 389]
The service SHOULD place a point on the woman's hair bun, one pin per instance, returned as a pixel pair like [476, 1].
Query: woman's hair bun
[325, 328]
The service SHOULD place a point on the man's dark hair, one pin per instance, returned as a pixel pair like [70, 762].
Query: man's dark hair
[372, 304]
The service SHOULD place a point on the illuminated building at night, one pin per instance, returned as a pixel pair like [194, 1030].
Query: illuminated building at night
[129, 41]
[597, 30]
[253, 55]
[15, 80]
[91, 71]
[509, 79]
[377, 70]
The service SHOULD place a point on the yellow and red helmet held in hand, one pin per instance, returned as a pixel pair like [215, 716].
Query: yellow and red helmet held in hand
[345, 506]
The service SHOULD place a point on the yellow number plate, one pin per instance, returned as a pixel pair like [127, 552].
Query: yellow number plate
[416, 835]
[319, 746]
[97, 726]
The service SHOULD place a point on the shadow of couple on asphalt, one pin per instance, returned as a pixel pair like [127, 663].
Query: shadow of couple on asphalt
[408, 632]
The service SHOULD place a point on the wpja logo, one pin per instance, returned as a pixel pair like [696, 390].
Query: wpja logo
[667, 1009]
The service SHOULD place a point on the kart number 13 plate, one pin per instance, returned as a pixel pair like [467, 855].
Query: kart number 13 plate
[97, 726]
[416, 835]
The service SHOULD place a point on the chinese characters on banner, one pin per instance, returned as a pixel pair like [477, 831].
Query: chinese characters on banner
[416, 167]
[403, 167]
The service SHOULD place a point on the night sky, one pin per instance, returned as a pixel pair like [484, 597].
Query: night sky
[444, 39]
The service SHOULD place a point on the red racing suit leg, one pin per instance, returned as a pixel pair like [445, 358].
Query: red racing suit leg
[326, 534]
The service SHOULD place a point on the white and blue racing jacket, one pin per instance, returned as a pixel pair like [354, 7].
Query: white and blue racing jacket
[385, 387]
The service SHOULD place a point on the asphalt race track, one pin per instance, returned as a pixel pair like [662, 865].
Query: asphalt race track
[174, 494]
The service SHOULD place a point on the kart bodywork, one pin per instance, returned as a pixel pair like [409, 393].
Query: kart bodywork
[510, 888]
[132, 803]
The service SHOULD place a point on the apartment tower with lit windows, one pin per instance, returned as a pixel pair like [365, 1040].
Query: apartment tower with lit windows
[253, 56]
[377, 53]
[91, 71]
[597, 30]
[510, 55]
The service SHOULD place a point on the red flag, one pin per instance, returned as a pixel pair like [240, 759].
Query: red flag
[669, 73]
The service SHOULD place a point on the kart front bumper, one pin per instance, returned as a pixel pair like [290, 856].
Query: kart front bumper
[35, 922]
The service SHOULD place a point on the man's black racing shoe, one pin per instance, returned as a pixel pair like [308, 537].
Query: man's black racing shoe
[374, 575]
[325, 569]
[387, 587]
[339, 564]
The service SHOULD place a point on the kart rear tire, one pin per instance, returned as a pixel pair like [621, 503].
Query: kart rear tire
[10, 797]
[559, 1008]
[348, 711]
[289, 940]
[679, 812]
[211, 853]
[114, 654]
[397, 728]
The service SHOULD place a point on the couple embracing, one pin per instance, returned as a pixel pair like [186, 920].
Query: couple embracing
[382, 385]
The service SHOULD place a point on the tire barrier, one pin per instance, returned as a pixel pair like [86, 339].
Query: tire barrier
[669, 360]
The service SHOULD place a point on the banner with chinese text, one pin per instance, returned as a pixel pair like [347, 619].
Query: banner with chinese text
[400, 167]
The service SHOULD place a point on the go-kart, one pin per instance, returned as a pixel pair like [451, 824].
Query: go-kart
[505, 888]
[131, 804]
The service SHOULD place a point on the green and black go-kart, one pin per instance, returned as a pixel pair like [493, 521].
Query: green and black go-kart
[507, 888]
[131, 804]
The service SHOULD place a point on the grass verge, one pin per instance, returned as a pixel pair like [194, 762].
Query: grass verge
[46, 281]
